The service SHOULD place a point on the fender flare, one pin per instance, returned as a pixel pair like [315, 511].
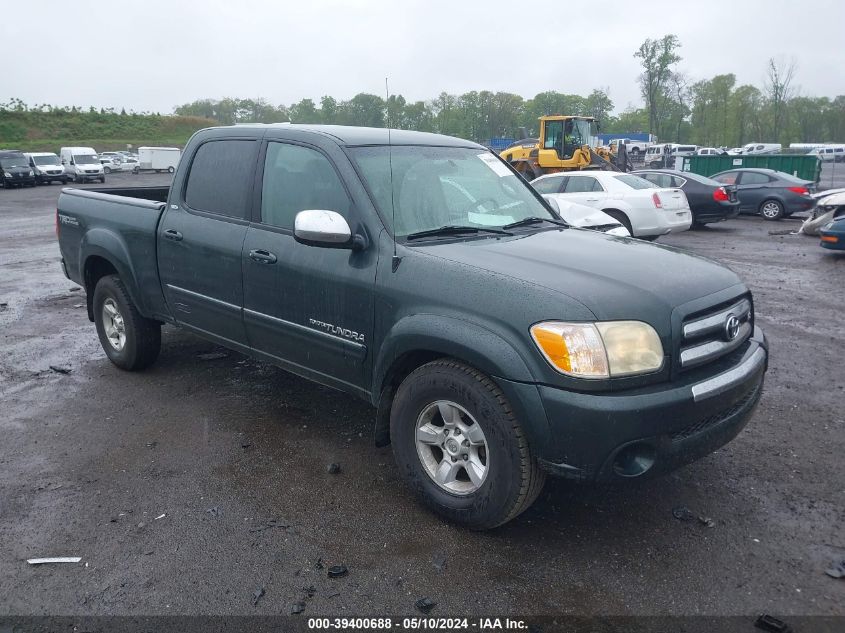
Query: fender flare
[471, 343]
[100, 242]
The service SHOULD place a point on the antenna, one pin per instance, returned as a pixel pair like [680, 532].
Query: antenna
[396, 258]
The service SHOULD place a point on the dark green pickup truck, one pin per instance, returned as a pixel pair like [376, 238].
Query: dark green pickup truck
[424, 275]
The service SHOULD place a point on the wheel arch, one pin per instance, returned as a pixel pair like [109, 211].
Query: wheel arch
[103, 253]
[420, 339]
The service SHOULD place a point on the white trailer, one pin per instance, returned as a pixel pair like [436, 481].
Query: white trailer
[158, 159]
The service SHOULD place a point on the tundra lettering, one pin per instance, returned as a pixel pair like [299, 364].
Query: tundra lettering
[338, 331]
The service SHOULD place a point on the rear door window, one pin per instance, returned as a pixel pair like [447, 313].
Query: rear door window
[753, 178]
[730, 178]
[582, 184]
[221, 177]
[661, 180]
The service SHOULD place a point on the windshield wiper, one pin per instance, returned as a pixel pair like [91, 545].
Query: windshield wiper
[451, 229]
[533, 220]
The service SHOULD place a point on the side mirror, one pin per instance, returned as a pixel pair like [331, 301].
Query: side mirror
[324, 228]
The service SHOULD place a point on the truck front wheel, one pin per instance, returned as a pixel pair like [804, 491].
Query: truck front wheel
[131, 341]
[460, 448]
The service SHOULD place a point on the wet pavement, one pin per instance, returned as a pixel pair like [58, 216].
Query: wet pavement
[234, 454]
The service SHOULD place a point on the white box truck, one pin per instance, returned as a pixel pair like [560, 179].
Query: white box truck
[158, 159]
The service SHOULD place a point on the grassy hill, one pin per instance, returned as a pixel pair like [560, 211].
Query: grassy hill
[30, 130]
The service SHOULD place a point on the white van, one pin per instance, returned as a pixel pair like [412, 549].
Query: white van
[830, 153]
[47, 167]
[82, 164]
[655, 154]
[158, 158]
[761, 148]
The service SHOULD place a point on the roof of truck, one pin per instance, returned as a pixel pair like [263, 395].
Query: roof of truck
[351, 135]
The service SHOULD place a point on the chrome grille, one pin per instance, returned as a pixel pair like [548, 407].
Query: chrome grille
[706, 337]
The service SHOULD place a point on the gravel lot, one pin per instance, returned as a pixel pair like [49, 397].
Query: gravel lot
[233, 453]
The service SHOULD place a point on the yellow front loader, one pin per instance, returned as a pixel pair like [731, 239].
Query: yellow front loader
[565, 144]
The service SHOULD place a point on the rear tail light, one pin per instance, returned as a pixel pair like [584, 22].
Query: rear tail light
[720, 195]
[656, 198]
[801, 191]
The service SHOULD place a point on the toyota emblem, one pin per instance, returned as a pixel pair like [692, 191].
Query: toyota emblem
[731, 327]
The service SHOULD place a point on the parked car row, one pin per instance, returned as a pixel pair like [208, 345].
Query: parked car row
[81, 164]
[648, 203]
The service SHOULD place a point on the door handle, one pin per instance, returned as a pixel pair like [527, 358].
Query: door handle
[592, 200]
[262, 256]
[172, 234]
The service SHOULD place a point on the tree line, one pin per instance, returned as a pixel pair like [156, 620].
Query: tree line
[675, 107]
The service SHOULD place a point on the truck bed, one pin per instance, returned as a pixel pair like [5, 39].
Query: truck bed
[120, 226]
[154, 194]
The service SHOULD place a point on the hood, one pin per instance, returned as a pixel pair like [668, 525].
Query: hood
[581, 215]
[616, 278]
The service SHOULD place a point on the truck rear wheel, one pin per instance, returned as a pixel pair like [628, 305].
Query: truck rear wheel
[131, 341]
[460, 448]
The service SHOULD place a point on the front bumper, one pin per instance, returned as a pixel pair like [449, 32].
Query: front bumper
[832, 241]
[18, 181]
[596, 437]
[92, 176]
[47, 177]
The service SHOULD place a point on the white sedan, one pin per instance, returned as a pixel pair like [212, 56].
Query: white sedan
[640, 206]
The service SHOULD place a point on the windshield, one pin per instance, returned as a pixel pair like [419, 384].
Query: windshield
[85, 159]
[14, 161]
[445, 186]
[635, 182]
[46, 160]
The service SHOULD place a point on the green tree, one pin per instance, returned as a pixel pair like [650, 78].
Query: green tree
[778, 89]
[657, 58]
[365, 110]
[305, 111]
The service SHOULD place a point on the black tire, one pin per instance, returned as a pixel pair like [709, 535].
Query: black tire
[621, 218]
[107, 170]
[170, 169]
[102, 179]
[142, 335]
[771, 209]
[512, 481]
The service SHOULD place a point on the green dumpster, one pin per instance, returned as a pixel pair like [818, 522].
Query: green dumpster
[799, 165]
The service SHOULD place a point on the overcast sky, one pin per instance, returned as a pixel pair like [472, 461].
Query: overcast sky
[156, 54]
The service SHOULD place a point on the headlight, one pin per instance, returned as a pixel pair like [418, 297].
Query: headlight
[7, 174]
[607, 349]
[31, 173]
